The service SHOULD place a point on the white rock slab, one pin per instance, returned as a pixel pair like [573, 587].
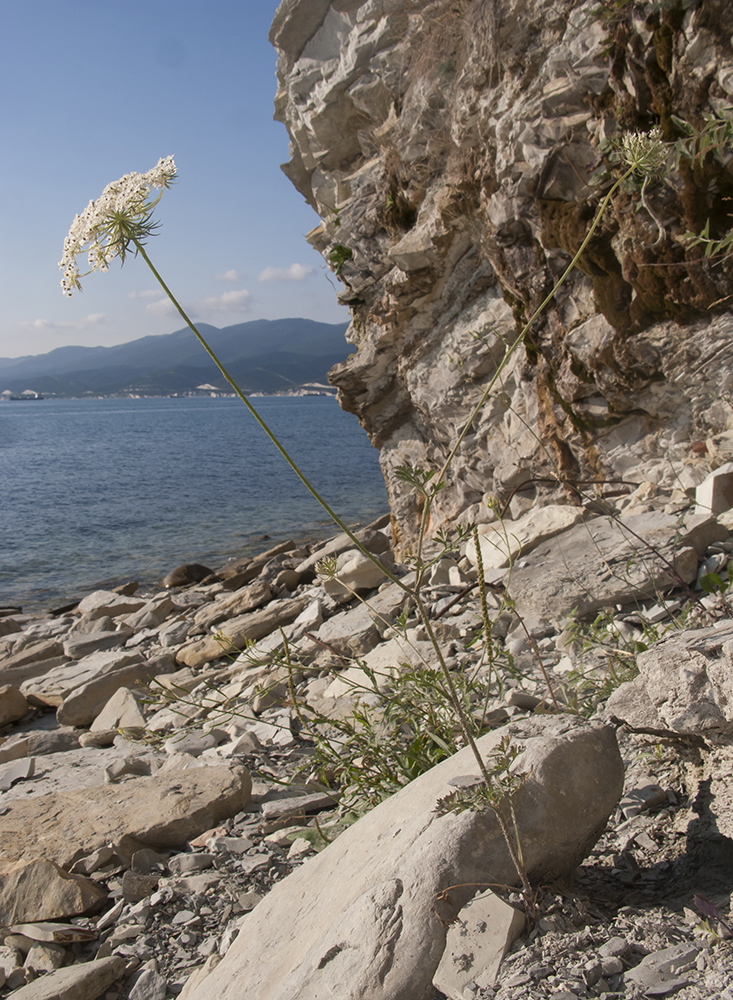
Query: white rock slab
[57, 684]
[606, 561]
[501, 542]
[714, 495]
[79, 646]
[101, 603]
[82, 705]
[32, 660]
[475, 944]
[76, 982]
[355, 573]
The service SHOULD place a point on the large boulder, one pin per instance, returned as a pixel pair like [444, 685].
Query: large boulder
[688, 676]
[365, 918]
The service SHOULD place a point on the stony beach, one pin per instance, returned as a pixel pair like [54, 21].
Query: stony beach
[163, 830]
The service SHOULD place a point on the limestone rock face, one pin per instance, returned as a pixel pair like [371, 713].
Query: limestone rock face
[363, 919]
[456, 153]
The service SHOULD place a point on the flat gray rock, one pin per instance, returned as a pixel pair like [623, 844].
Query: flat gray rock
[162, 811]
[603, 562]
[76, 982]
[75, 769]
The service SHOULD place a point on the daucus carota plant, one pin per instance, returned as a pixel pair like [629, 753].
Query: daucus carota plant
[121, 222]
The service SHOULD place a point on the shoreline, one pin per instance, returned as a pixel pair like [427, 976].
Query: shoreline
[103, 491]
[49, 606]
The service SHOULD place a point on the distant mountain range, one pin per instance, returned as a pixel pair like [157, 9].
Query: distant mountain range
[262, 355]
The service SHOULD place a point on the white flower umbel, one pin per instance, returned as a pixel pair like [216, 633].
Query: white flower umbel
[119, 220]
[644, 152]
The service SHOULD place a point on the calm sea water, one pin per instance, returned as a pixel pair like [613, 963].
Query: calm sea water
[96, 492]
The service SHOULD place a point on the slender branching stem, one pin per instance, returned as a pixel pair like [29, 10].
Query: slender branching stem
[296, 469]
[511, 351]
[465, 726]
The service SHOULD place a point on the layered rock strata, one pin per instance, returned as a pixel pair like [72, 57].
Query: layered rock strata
[456, 152]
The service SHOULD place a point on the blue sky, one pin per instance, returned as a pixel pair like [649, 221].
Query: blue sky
[93, 90]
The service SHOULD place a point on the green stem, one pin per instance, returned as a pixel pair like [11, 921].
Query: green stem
[301, 475]
[465, 727]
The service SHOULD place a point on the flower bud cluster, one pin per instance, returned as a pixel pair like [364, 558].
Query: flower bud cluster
[120, 216]
[644, 152]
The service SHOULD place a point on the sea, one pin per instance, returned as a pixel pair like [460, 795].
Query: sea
[96, 492]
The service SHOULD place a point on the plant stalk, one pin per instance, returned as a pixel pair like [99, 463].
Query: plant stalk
[301, 475]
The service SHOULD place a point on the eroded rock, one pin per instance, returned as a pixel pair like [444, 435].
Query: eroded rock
[362, 911]
[41, 890]
[159, 811]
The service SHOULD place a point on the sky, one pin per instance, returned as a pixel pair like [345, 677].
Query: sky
[93, 90]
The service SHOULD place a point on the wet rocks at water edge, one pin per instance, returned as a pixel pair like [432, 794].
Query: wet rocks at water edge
[159, 796]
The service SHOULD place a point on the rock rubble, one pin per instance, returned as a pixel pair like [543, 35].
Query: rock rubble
[182, 806]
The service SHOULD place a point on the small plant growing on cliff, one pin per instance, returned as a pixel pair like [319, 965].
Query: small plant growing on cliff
[338, 255]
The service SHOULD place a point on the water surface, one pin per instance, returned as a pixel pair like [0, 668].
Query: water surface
[98, 491]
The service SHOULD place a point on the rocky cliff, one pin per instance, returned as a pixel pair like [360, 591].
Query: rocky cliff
[456, 152]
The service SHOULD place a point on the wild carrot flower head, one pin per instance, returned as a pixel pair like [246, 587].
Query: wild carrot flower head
[645, 152]
[108, 226]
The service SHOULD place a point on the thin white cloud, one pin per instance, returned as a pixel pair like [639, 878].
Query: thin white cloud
[296, 272]
[148, 293]
[162, 308]
[232, 276]
[48, 326]
[234, 301]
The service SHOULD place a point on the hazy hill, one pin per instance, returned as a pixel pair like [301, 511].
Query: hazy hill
[263, 355]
